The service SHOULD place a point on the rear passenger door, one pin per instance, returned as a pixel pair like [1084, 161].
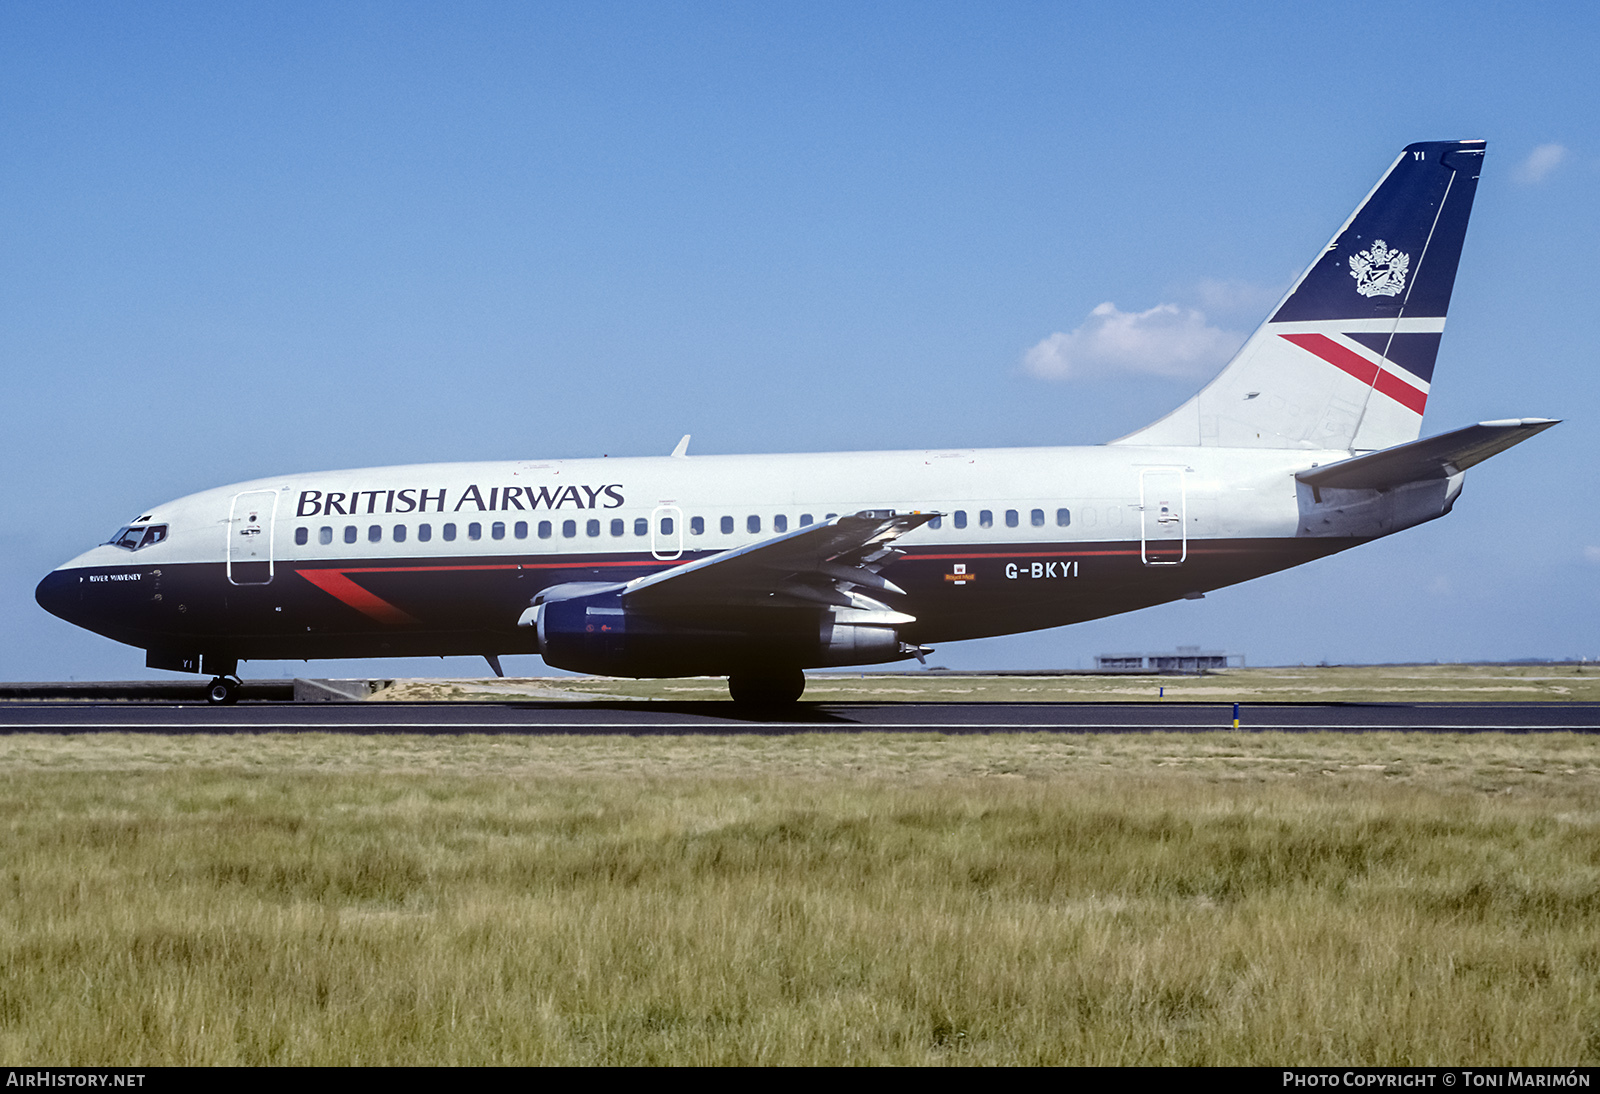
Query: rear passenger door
[1163, 506]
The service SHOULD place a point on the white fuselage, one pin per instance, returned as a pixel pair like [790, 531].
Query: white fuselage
[445, 558]
[1225, 494]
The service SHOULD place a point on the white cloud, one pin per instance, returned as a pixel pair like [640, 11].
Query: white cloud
[1540, 162]
[1167, 340]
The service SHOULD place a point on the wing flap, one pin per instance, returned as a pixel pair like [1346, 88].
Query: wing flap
[818, 564]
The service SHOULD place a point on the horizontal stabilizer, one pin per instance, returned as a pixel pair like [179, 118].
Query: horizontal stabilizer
[1433, 458]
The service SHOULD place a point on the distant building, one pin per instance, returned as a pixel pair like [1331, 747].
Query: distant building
[1184, 659]
[1121, 662]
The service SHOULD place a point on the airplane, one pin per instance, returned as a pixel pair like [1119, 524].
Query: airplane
[758, 567]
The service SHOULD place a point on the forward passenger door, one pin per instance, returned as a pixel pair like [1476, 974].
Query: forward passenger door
[252, 520]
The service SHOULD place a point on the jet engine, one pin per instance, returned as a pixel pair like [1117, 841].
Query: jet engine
[589, 627]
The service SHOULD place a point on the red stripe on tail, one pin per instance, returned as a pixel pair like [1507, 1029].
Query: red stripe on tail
[1347, 360]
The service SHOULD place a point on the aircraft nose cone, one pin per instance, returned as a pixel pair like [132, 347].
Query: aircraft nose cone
[58, 594]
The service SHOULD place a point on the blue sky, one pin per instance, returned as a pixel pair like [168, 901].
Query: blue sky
[246, 239]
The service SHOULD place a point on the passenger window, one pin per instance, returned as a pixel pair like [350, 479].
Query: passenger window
[1037, 518]
[805, 519]
[592, 528]
[752, 524]
[666, 526]
[1011, 518]
[961, 518]
[641, 526]
[375, 533]
[497, 530]
[544, 529]
[424, 533]
[1063, 518]
[302, 536]
[569, 528]
[520, 529]
[936, 522]
[697, 526]
[618, 527]
[324, 535]
[727, 526]
[474, 530]
[780, 523]
[830, 516]
[985, 518]
[349, 533]
[449, 533]
[399, 533]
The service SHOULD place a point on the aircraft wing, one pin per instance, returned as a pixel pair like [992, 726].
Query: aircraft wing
[1432, 458]
[832, 563]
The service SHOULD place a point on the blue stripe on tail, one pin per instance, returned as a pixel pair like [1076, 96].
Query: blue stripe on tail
[1413, 352]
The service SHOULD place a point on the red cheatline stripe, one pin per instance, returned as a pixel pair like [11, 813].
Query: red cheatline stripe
[335, 583]
[967, 556]
[504, 566]
[912, 556]
[1362, 369]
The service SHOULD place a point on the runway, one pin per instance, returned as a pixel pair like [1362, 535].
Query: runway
[634, 718]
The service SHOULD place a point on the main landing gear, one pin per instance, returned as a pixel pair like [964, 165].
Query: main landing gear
[223, 690]
[767, 687]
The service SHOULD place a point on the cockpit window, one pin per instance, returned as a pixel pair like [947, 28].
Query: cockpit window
[135, 536]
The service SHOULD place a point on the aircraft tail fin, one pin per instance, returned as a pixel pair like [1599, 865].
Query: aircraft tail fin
[1346, 359]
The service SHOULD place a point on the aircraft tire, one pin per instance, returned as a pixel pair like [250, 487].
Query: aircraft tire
[222, 691]
[767, 688]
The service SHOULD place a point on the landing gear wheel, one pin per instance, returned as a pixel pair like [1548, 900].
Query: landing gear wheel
[767, 688]
[223, 690]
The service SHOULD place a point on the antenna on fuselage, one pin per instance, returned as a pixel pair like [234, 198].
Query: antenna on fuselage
[682, 451]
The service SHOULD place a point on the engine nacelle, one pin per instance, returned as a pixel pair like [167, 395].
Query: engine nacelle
[579, 624]
[852, 636]
[585, 627]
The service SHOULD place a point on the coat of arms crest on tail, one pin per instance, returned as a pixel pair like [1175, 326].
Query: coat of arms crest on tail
[1379, 271]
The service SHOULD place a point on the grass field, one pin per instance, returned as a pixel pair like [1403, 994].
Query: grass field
[1312, 684]
[873, 898]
